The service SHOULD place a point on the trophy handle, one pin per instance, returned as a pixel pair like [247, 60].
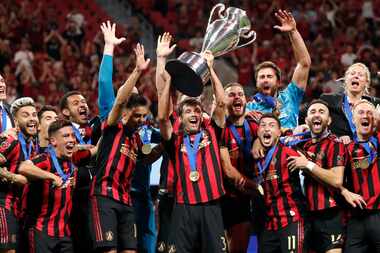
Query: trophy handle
[246, 36]
[220, 14]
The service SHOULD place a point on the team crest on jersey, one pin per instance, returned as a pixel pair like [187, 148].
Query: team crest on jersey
[5, 145]
[109, 235]
[360, 162]
[161, 247]
[125, 150]
[203, 143]
[172, 249]
[320, 156]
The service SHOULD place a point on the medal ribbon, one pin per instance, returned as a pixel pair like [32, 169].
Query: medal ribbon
[25, 150]
[292, 143]
[57, 166]
[267, 160]
[192, 150]
[268, 100]
[3, 119]
[348, 113]
[145, 134]
[248, 139]
[371, 151]
[79, 136]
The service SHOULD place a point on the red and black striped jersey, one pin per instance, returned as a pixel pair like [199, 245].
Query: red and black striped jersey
[49, 208]
[326, 153]
[283, 197]
[167, 169]
[362, 177]
[116, 160]
[240, 159]
[209, 186]
[11, 156]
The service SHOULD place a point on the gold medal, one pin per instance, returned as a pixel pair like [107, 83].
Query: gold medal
[260, 189]
[146, 149]
[364, 164]
[194, 176]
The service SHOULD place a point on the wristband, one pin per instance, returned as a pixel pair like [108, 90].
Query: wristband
[310, 166]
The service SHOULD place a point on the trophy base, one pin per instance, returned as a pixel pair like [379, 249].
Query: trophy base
[189, 73]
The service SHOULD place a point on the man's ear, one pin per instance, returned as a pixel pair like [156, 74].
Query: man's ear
[66, 112]
[329, 121]
[53, 141]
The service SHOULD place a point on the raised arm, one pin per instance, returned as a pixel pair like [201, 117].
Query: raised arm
[106, 96]
[163, 51]
[288, 24]
[219, 111]
[164, 107]
[126, 89]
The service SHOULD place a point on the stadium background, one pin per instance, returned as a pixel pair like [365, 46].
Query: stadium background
[50, 47]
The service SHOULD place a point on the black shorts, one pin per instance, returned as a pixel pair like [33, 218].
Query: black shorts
[165, 209]
[79, 221]
[235, 210]
[326, 229]
[291, 239]
[9, 229]
[197, 228]
[363, 233]
[40, 242]
[112, 224]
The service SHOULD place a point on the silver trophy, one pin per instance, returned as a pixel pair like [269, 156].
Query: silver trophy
[189, 72]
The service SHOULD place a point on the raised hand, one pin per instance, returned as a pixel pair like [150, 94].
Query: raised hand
[209, 57]
[287, 21]
[163, 45]
[108, 30]
[141, 63]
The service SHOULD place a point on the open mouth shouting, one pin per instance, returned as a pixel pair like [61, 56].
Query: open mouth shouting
[365, 125]
[267, 139]
[238, 106]
[193, 123]
[69, 148]
[83, 113]
[316, 124]
[31, 127]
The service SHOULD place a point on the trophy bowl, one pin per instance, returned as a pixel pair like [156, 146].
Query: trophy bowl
[189, 73]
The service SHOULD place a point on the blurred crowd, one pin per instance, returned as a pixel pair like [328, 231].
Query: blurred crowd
[43, 59]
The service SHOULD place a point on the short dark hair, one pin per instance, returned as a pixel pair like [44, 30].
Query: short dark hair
[317, 101]
[189, 102]
[233, 85]
[270, 116]
[58, 124]
[136, 100]
[46, 108]
[63, 102]
[268, 64]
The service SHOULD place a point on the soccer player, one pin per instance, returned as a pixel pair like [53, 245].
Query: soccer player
[357, 80]
[237, 164]
[322, 163]
[285, 229]
[14, 150]
[363, 183]
[197, 224]
[6, 120]
[49, 206]
[165, 193]
[46, 115]
[112, 219]
[268, 78]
